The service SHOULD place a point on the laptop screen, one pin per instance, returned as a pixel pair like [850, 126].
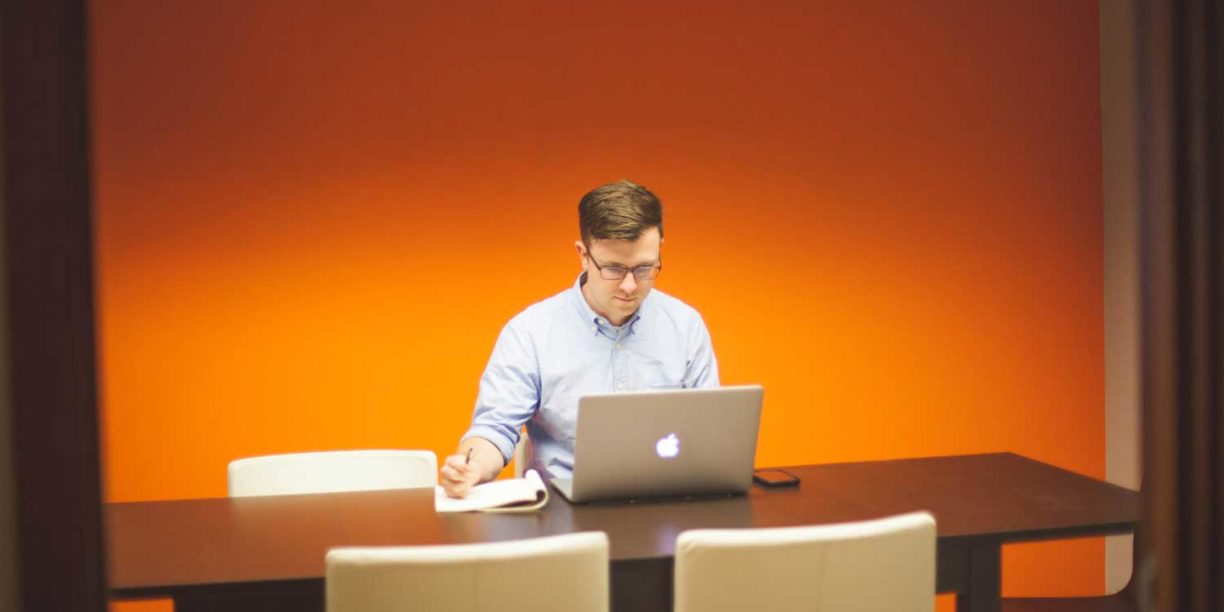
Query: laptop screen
[665, 443]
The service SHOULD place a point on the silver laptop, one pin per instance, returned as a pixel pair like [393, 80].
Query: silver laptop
[679, 443]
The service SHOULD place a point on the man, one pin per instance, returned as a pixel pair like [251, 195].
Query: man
[610, 332]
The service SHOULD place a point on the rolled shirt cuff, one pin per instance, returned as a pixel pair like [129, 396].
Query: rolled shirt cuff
[492, 434]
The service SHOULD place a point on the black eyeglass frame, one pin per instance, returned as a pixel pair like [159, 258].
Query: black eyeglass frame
[640, 273]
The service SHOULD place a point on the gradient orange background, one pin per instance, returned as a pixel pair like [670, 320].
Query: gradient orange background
[314, 218]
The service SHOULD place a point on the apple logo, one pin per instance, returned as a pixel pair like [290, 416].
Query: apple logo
[668, 447]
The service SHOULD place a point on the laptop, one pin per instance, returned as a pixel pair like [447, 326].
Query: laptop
[664, 444]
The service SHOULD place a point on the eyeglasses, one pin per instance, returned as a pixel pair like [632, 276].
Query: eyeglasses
[615, 272]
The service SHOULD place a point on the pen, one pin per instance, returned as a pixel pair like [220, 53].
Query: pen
[468, 458]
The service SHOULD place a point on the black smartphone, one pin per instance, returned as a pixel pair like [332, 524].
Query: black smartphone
[775, 478]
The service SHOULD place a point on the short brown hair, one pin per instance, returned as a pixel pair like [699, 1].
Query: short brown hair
[618, 211]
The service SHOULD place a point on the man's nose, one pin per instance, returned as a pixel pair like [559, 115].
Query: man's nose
[629, 283]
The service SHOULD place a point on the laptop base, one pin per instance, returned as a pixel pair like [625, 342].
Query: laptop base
[565, 486]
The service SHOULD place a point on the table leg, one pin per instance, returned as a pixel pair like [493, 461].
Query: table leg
[982, 589]
[642, 585]
[300, 596]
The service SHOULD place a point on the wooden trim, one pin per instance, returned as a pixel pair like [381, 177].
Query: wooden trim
[1182, 143]
[49, 291]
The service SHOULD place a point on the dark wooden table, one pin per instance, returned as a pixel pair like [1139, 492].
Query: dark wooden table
[266, 552]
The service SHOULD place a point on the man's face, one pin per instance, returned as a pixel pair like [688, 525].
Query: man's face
[617, 300]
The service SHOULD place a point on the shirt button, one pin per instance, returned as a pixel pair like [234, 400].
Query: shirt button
[617, 345]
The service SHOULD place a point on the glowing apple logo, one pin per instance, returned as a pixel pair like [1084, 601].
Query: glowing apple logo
[668, 447]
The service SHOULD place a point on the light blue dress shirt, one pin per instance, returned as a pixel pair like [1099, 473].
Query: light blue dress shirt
[559, 350]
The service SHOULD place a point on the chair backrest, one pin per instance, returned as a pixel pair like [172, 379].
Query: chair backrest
[556, 573]
[885, 565]
[332, 471]
[522, 454]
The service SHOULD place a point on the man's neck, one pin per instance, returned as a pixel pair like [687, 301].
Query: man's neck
[587, 296]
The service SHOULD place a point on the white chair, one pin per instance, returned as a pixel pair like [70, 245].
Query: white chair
[885, 565]
[557, 573]
[332, 471]
[522, 453]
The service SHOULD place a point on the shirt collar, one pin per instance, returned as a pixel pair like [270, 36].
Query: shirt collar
[592, 319]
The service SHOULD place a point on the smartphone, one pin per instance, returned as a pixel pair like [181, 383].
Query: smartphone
[775, 478]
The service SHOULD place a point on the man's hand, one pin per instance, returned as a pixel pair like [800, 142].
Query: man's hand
[458, 476]
[478, 460]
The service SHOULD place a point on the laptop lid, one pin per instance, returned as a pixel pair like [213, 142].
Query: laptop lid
[665, 443]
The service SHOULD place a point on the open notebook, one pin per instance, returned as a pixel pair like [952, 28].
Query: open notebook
[511, 495]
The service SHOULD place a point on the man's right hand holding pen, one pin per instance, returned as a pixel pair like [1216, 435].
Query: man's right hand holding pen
[477, 461]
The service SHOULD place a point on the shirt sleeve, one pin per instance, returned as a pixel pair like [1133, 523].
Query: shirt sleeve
[509, 391]
[702, 367]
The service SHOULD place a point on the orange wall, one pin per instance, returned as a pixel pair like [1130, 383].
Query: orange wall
[313, 219]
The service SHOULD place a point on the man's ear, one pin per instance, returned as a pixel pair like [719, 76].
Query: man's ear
[581, 248]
